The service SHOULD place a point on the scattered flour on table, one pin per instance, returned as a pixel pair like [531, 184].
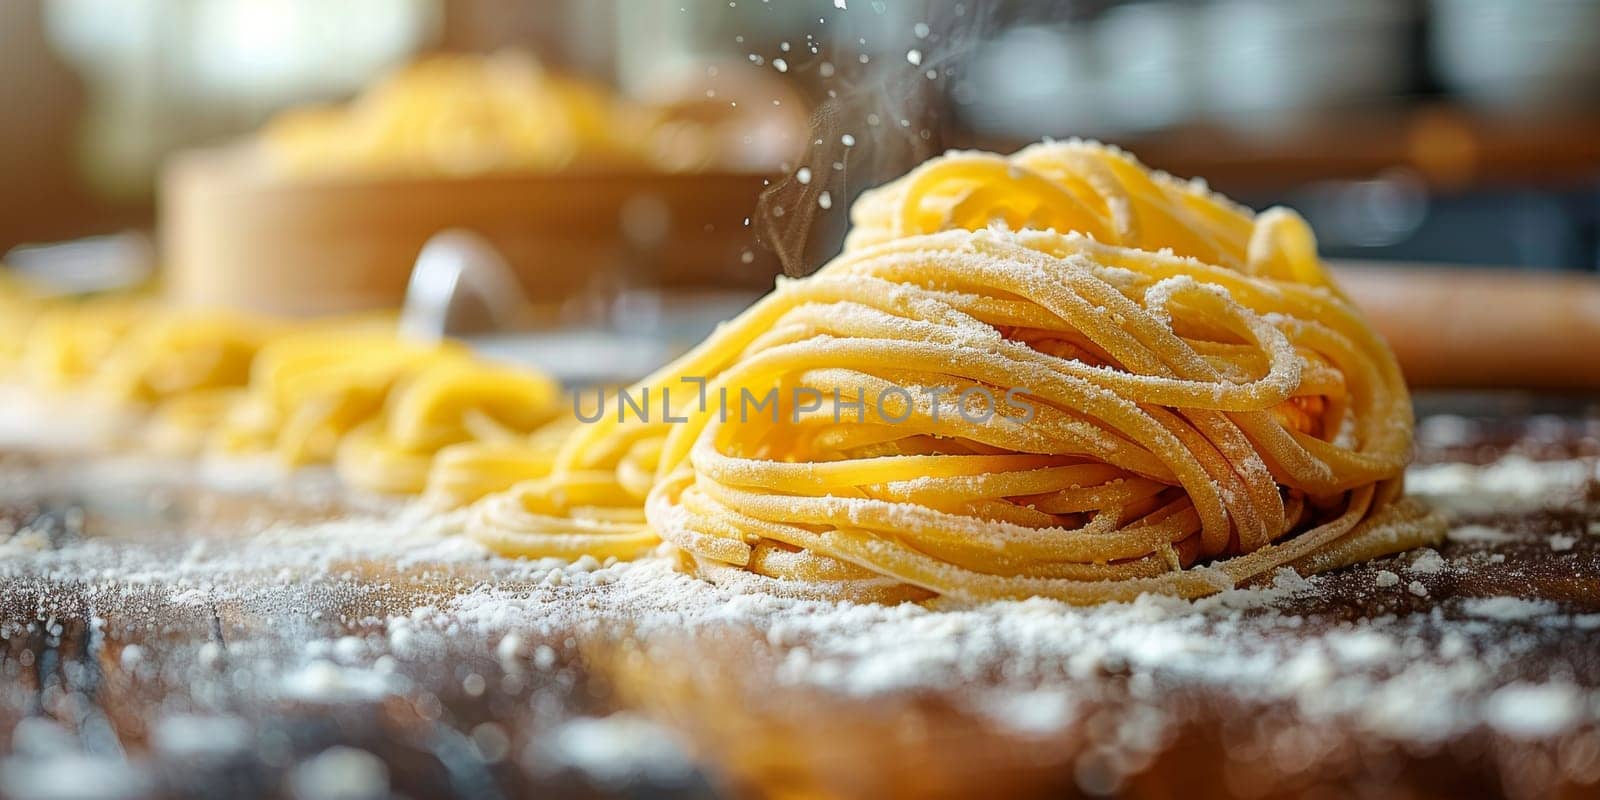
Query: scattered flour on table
[1418, 677]
[1528, 711]
[1507, 608]
[619, 749]
[1036, 655]
[341, 773]
[1428, 562]
[1511, 484]
[1446, 430]
[1482, 534]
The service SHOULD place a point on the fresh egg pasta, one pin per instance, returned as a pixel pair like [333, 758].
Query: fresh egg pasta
[1054, 374]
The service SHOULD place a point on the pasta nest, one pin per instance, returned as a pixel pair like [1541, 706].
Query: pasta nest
[1055, 374]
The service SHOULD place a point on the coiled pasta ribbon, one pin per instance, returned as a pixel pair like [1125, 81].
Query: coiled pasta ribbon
[377, 406]
[122, 355]
[463, 473]
[164, 356]
[446, 403]
[66, 343]
[1092, 189]
[19, 307]
[1199, 406]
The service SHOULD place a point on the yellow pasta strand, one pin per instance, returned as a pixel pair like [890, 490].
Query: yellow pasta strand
[1092, 189]
[65, 345]
[463, 473]
[380, 407]
[166, 355]
[447, 402]
[20, 306]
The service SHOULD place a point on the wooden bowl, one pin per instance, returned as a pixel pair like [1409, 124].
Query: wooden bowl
[234, 236]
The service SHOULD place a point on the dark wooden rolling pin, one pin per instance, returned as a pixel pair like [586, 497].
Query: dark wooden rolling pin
[1483, 328]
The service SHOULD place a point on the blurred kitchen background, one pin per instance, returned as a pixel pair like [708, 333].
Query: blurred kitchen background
[1458, 131]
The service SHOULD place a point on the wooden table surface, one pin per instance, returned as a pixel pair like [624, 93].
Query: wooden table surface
[116, 685]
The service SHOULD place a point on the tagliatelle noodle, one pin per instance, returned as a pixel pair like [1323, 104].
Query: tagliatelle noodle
[168, 354]
[133, 356]
[20, 306]
[1199, 405]
[461, 474]
[378, 406]
[66, 342]
[572, 508]
[448, 402]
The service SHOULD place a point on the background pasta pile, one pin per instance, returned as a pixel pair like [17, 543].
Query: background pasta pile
[347, 392]
[460, 114]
